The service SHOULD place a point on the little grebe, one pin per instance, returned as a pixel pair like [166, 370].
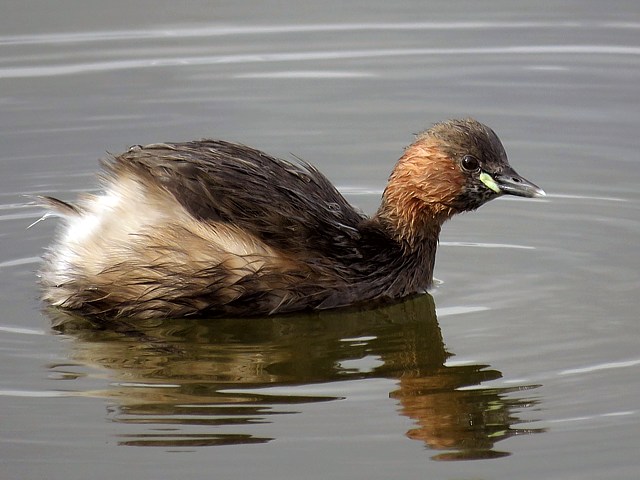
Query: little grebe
[217, 228]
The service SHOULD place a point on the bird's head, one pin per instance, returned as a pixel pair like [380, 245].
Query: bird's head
[454, 166]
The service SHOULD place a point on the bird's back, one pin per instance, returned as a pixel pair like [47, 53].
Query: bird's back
[290, 206]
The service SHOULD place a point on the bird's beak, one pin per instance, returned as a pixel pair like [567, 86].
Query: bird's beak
[510, 183]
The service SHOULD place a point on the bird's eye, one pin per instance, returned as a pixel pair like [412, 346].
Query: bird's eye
[470, 163]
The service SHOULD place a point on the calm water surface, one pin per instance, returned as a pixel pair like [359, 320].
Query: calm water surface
[522, 363]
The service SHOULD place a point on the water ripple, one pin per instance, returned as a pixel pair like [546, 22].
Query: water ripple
[487, 245]
[599, 367]
[21, 330]
[217, 30]
[305, 74]
[114, 65]
[586, 197]
[20, 261]
[36, 393]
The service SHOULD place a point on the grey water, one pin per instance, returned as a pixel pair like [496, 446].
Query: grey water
[522, 362]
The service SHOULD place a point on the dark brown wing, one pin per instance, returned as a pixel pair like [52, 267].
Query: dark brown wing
[292, 207]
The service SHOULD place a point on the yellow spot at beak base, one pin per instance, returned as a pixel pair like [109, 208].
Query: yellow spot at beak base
[489, 182]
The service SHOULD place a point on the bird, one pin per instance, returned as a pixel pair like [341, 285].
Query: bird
[211, 228]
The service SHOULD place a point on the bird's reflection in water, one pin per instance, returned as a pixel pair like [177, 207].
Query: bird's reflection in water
[176, 375]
